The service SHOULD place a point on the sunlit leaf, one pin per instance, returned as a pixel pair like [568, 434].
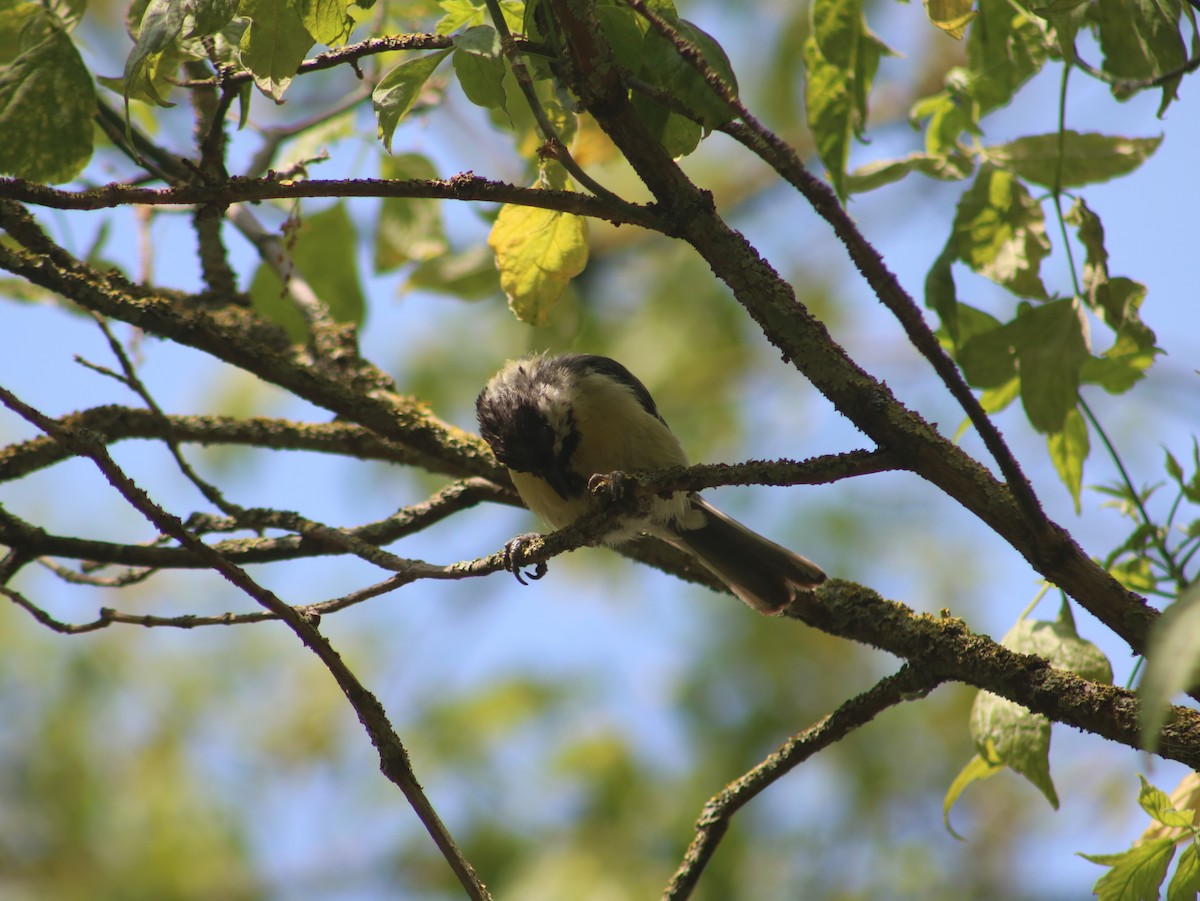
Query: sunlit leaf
[1004, 49]
[1000, 232]
[537, 252]
[1185, 883]
[399, 89]
[976, 771]
[952, 16]
[1136, 874]
[479, 65]
[841, 56]
[328, 21]
[1160, 808]
[1141, 40]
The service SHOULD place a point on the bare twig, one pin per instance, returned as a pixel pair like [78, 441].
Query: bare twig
[393, 756]
[907, 684]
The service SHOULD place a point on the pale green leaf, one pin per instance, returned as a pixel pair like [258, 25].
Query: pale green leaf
[952, 16]
[328, 21]
[399, 89]
[409, 228]
[1068, 449]
[976, 771]
[1136, 874]
[1000, 232]
[275, 44]
[1172, 662]
[1072, 159]
[537, 252]
[47, 98]
[1185, 883]
[1158, 805]
[1007, 734]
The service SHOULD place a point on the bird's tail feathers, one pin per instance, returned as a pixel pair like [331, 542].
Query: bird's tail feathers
[765, 575]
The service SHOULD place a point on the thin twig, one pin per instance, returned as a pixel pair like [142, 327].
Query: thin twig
[558, 149]
[393, 756]
[906, 684]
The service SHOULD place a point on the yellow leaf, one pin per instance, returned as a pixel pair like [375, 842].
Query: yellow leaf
[537, 252]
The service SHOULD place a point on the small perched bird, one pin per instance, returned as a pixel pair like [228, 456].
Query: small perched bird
[555, 421]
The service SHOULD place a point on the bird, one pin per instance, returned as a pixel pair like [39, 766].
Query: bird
[555, 421]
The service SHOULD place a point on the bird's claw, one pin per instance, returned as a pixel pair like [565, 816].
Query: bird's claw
[613, 487]
[513, 549]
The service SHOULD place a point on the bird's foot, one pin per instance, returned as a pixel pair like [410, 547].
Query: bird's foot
[515, 549]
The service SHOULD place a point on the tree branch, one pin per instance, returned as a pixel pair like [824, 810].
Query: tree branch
[689, 213]
[465, 186]
[393, 756]
[905, 685]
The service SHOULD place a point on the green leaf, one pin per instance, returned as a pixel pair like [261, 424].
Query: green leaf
[1136, 874]
[1141, 40]
[841, 56]
[1080, 159]
[952, 16]
[940, 292]
[399, 89]
[1172, 662]
[1068, 449]
[1185, 884]
[1158, 805]
[976, 771]
[409, 228]
[47, 98]
[537, 252]
[324, 253]
[328, 21]
[993, 400]
[479, 65]
[625, 32]
[942, 166]
[1004, 49]
[1090, 230]
[986, 354]
[275, 44]
[469, 275]
[662, 65]
[1007, 734]
[460, 14]
[162, 30]
[950, 114]
[1000, 232]
[1051, 345]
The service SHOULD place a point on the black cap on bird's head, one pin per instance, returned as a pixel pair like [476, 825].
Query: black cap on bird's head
[525, 418]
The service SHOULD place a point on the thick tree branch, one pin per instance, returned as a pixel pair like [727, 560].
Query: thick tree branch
[804, 340]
